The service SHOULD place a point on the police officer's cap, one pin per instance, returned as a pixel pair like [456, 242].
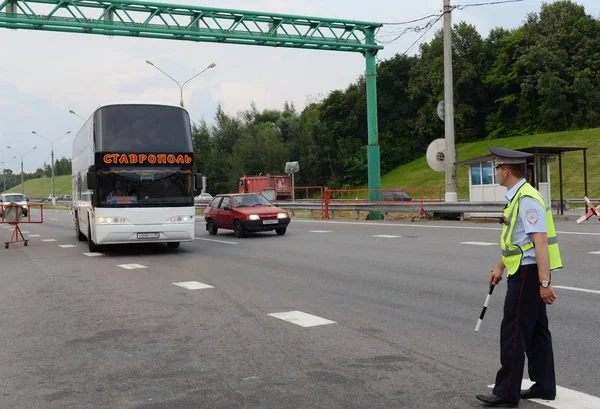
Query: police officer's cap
[503, 156]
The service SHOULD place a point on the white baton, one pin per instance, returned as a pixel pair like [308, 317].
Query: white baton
[485, 305]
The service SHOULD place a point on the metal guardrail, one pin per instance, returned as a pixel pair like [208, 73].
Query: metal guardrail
[405, 207]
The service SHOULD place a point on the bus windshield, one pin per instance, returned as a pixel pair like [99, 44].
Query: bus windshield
[145, 187]
[142, 128]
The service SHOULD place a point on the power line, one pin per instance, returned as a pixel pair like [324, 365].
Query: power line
[463, 6]
[411, 21]
[423, 35]
[399, 33]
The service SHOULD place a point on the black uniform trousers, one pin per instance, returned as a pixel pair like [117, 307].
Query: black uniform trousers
[525, 329]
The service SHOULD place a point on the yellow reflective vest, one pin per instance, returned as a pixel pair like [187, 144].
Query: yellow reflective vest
[513, 254]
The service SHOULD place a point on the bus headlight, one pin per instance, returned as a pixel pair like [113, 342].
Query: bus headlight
[282, 215]
[181, 219]
[110, 220]
[253, 217]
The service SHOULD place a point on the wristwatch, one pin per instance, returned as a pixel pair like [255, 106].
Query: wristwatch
[545, 283]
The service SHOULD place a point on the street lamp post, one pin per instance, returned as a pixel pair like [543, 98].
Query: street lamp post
[76, 114]
[21, 155]
[4, 176]
[52, 156]
[213, 65]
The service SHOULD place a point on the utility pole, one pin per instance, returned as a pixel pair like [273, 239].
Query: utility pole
[450, 154]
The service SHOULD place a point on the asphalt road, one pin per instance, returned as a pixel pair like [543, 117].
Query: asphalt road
[85, 332]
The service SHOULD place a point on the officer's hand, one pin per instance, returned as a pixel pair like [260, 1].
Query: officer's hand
[495, 277]
[548, 295]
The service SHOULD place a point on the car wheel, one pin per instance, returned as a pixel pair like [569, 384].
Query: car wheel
[280, 231]
[238, 229]
[173, 244]
[212, 229]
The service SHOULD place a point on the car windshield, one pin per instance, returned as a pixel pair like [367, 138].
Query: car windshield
[250, 201]
[14, 198]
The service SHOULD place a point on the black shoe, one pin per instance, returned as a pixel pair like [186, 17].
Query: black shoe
[494, 401]
[535, 393]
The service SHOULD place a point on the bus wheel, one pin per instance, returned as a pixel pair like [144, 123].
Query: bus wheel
[173, 244]
[91, 245]
[80, 236]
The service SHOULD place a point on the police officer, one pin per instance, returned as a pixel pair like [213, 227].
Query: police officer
[529, 254]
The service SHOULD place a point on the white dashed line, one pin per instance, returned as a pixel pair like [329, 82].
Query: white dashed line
[478, 243]
[34, 235]
[583, 290]
[48, 240]
[301, 318]
[52, 218]
[23, 231]
[217, 241]
[320, 231]
[93, 254]
[385, 236]
[565, 398]
[67, 246]
[131, 266]
[594, 252]
[193, 285]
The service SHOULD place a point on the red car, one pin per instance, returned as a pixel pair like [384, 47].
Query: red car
[245, 212]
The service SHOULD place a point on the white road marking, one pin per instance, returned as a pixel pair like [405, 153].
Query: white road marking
[583, 290]
[34, 235]
[193, 285]
[66, 246]
[131, 266]
[52, 218]
[594, 252]
[425, 226]
[23, 231]
[301, 318]
[217, 241]
[565, 398]
[93, 254]
[48, 240]
[320, 231]
[385, 236]
[478, 243]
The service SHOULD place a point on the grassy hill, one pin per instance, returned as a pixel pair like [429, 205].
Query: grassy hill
[43, 187]
[418, 173]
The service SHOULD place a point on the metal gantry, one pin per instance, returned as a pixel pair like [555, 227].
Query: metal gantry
[206, 24]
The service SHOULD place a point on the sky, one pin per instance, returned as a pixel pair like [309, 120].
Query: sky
[43, 75]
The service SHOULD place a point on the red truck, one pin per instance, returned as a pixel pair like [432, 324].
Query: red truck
[280, 185]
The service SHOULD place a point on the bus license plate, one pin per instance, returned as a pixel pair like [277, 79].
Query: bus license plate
[270, 221]
[148, 235]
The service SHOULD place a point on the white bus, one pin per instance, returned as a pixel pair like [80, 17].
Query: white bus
[133, 177]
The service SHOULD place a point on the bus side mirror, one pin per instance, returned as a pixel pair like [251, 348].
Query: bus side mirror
[91, 180]
[198, 181]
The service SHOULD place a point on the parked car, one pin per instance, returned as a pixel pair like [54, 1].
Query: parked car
[16, 198]
[203, 198]
[245, 212]
[395, 196]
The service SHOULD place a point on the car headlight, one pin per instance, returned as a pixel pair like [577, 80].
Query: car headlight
[181, 219]
[282, 215]
[110, 220]
[253, 217]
